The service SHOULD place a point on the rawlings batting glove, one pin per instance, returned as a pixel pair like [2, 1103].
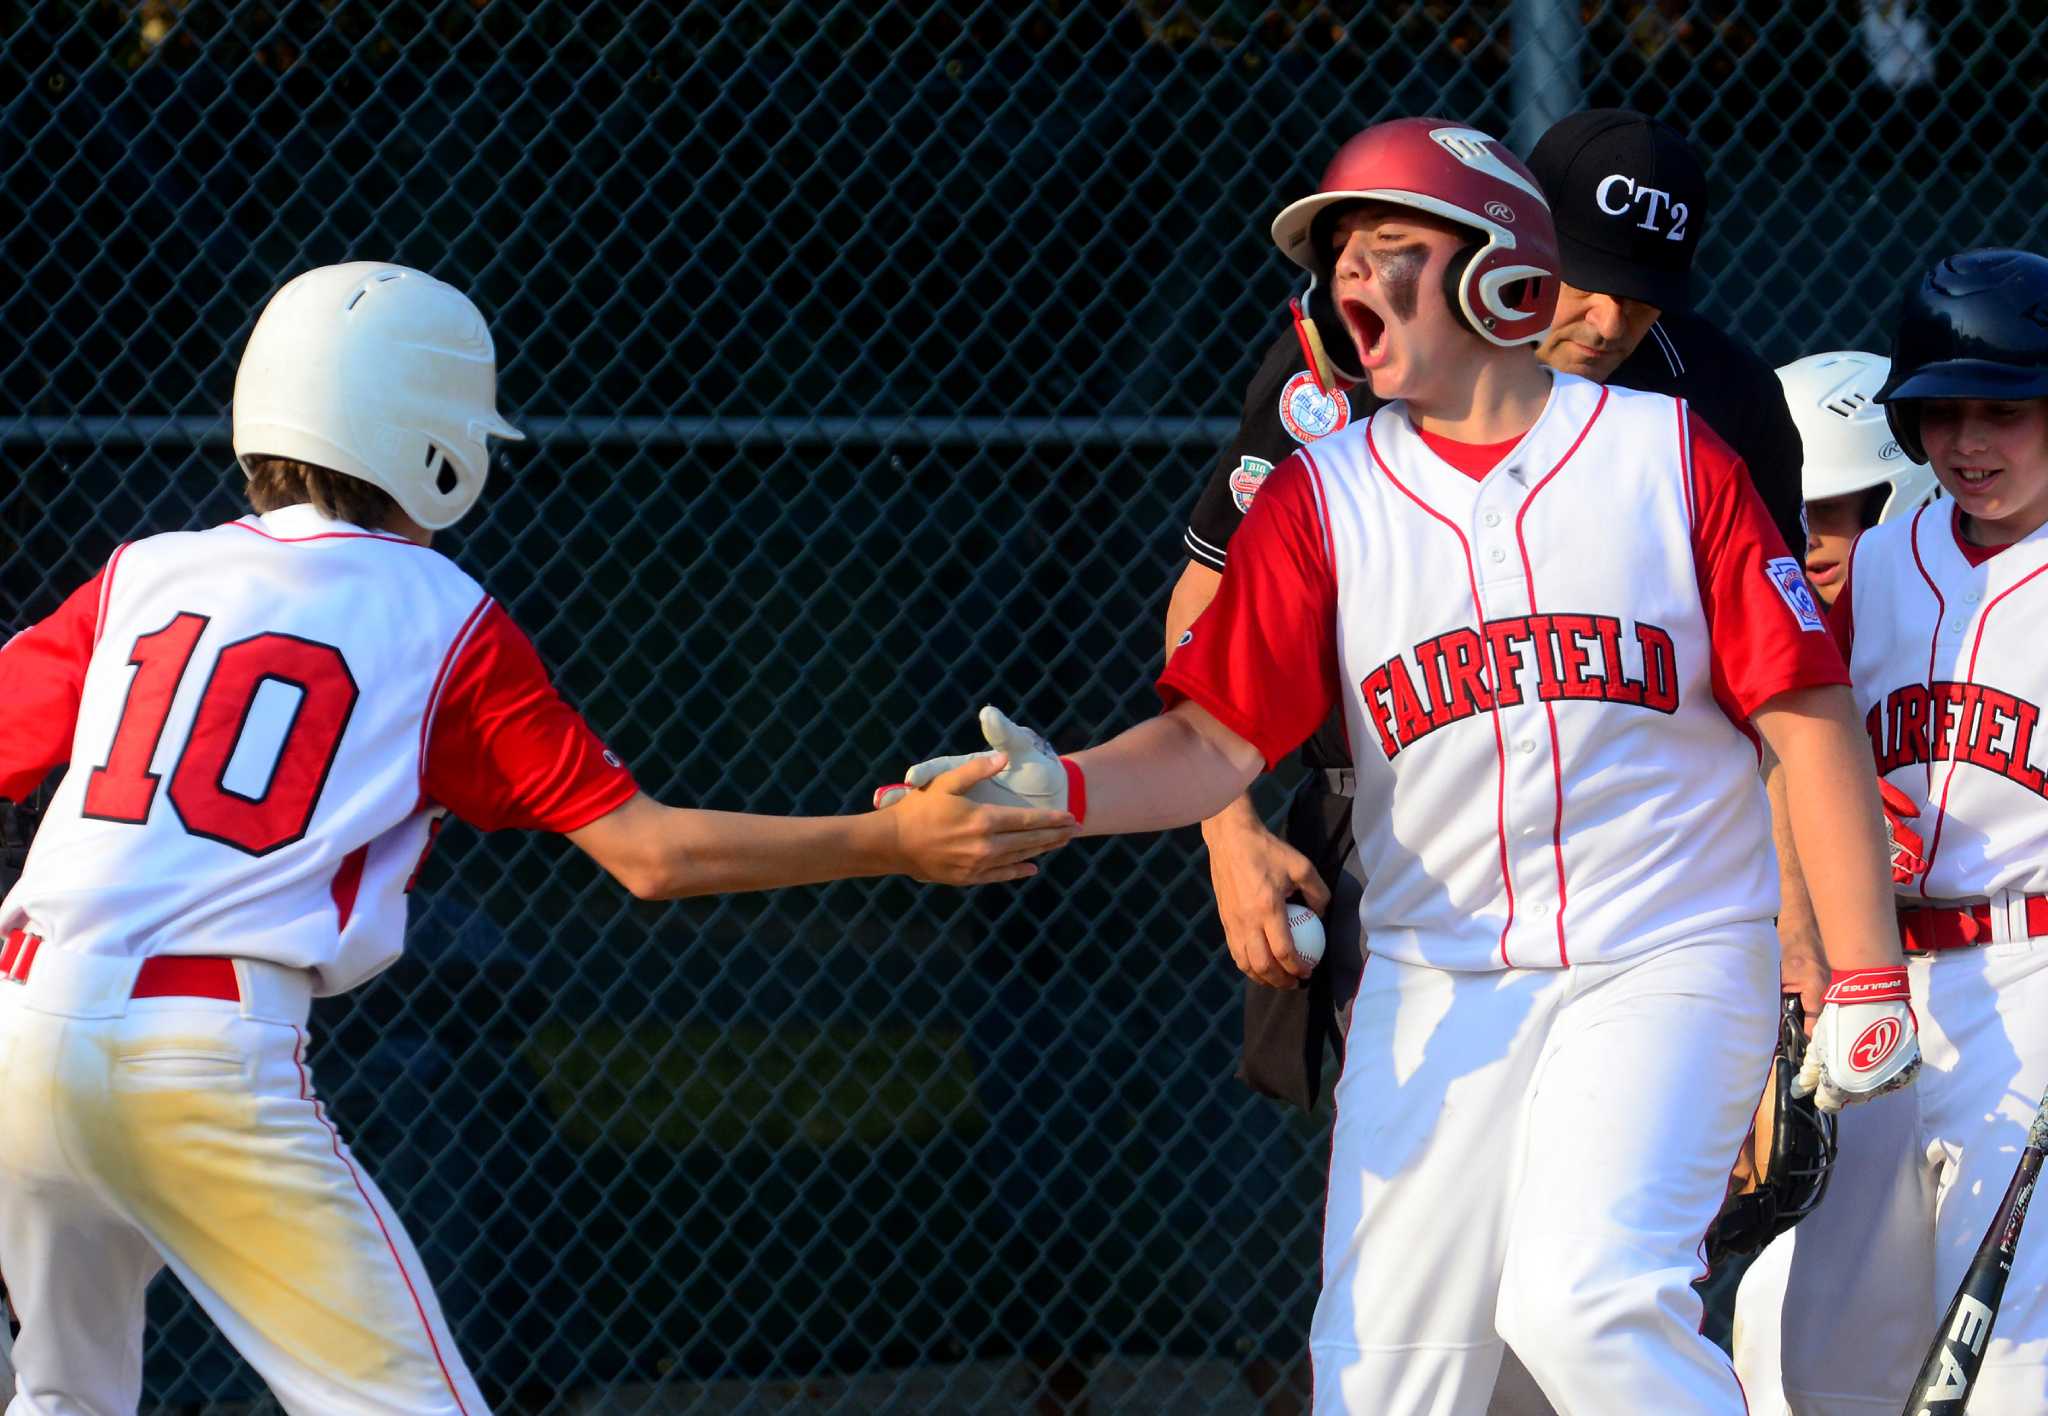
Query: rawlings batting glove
[1034, 776]
[1909, 857]
[1866, 1041]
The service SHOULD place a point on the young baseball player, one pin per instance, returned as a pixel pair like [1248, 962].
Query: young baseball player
[1855, 474]
[266, 723]
[1940, 615]
[1556, 617]
[1629, 199]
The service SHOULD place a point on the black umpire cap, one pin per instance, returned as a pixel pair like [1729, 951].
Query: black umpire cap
[1629, 199]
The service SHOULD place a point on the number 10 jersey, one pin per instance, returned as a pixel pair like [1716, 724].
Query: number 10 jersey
[266, 722]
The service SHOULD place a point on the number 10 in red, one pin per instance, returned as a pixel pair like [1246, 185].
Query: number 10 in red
[123, 788]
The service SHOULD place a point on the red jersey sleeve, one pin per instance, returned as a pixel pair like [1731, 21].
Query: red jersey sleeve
[503, 750]
[1262, 659]
[1768, 633]
[42, 675]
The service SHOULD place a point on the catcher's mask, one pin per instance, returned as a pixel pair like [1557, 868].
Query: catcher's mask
[1782, 1173]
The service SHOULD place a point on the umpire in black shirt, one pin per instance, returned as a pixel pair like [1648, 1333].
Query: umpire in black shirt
[1630, 203]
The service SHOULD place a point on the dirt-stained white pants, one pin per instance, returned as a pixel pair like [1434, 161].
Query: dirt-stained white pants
[185, 1133]
[1531, 1157]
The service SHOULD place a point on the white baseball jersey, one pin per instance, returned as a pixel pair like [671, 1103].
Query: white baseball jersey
[1944, 644]
[1546, 673]
[265, 722]
[1545, 652]
[1945, 648]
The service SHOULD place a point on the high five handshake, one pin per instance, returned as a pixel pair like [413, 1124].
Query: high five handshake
[1865, 1040]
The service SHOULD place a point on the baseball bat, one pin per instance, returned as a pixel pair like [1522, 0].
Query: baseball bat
[1950, 1371]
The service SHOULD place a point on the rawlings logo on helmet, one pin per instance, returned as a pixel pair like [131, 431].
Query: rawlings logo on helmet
[1849, 445]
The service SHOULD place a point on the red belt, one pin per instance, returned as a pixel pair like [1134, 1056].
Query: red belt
[162, 975]
[1928, 930]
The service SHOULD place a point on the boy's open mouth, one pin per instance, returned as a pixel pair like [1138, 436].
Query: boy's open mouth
[1368, 330]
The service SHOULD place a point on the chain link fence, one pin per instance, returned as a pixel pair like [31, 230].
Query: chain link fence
[873, 354]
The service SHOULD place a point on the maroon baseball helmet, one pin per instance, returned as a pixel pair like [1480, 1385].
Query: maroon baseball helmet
[1507, 289]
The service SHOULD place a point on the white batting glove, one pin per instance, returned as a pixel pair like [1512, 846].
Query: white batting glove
[1866, 1041]
[1035, 775]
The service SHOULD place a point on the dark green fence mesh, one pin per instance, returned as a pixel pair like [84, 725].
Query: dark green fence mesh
[873, 354]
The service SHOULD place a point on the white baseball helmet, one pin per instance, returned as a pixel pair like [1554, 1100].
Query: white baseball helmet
[378, 371]
[1849, 443]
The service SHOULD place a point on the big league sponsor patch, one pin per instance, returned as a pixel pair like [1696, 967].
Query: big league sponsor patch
[1245, 481]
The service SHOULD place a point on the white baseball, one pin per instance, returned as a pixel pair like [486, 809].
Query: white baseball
[1307, 931]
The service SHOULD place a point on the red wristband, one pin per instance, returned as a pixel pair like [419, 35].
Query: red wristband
[1077, 791]
[1881, 985]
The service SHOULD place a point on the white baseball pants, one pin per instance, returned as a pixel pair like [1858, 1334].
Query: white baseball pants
[1849, 1301]
[1532, 1157]
[141, 1134]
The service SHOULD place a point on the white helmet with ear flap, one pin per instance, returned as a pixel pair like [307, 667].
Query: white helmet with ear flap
[378, 371]
[1848, 441]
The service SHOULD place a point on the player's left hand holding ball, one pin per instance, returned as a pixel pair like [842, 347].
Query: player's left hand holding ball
[1866, 1041]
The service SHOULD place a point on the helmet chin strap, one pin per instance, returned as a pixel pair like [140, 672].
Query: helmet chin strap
[1326, 343]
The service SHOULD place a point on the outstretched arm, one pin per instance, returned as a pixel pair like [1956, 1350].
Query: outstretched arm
[1258, 675]
[505, 751]
[1168, 771]
[669, 853]
[1173, 770]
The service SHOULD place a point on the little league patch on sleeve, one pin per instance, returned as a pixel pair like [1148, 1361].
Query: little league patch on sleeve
[1244, 482]
[1308, 413]
[1791, 582]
